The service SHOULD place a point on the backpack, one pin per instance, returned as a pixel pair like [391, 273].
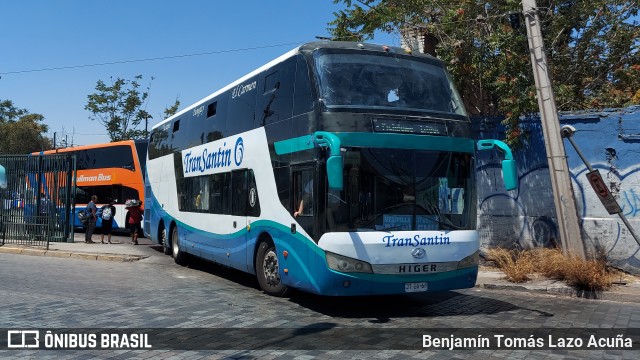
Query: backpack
[106, 212]
[83, 216]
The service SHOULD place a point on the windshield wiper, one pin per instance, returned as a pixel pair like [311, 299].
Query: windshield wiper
[390, 228]
[442, 220]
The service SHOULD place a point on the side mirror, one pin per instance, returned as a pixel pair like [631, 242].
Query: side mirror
[3, 177]
[334, 162]
[509, 166]
[334, 172]
[510, 174]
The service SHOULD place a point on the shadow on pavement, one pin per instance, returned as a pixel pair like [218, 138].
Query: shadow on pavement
[449, 303]
[381, 308]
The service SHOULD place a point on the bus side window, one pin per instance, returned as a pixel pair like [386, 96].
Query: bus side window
[159, 144]
[303, 188]
[303, 98]
[239, 193]
[214, 127]
[219, 193]
[276, 101]
[201, 188]
[241, 109]
[254, 200]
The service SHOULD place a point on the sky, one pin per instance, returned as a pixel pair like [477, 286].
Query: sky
[49, 49]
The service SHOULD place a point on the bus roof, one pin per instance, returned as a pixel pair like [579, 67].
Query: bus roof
[84, 147]
[304, 47]
[230, 86]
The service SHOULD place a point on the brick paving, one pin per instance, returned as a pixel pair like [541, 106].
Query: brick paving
[52, 293]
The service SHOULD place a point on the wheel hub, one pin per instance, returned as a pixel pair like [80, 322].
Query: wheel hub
[270, 267]
[174, 247]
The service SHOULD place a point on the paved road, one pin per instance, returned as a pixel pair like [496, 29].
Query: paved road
[52, 293]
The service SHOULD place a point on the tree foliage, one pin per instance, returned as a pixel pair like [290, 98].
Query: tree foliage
[592, 47]
[20, 131]
[171, 110]
[120, 107]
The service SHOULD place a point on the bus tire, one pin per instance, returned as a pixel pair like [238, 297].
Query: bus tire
[267, 270]
[178, 256]
[166, 245]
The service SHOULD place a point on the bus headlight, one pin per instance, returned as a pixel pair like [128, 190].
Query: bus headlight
[347, 264]
[469, 261]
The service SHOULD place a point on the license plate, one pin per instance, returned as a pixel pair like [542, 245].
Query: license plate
[416, 287]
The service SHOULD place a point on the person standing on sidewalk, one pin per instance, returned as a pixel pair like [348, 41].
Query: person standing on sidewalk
[107, 212]
[135, 219]
[91, 223]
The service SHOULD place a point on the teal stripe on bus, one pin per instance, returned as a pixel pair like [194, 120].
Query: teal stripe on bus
[294, 145]
[382, 140]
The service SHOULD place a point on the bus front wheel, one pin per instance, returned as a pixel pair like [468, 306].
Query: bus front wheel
[268, 270]
[178, 255]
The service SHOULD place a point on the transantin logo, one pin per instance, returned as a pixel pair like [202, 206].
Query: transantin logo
[239, 151]
[415, 241]
[207, 160]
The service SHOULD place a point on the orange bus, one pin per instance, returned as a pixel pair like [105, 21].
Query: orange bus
[110, 171]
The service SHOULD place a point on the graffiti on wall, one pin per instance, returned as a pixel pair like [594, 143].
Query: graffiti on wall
[624, 185]
[526, 217]
[630, 203]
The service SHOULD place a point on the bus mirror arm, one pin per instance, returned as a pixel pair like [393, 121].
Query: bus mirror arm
[509, 166]
[334, 162]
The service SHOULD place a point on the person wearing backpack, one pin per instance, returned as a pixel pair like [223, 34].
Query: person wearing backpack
[90, 225]
[135, 218]
[107, 211]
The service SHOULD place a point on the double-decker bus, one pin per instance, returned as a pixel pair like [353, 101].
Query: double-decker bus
[338, 168]
[110, 171]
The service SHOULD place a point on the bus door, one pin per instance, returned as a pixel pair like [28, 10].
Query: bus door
[245, 207]
[304, 195]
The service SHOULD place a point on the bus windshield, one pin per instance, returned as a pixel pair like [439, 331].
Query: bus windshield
[118, 156]
[395, 189]
[385, 81]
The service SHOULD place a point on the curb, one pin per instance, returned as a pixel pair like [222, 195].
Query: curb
[622, 295]
[68, 254]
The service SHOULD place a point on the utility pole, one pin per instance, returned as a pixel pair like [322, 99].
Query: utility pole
[565, 203]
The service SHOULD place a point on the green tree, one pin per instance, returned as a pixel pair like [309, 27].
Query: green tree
[592, 47]
[172, 110]
[120, 107]
[21, 132]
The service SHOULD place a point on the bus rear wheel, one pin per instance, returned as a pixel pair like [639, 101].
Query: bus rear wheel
[163, 240]
[178, 255]
[268, 270]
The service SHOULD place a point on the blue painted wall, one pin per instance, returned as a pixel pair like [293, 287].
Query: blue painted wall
[610, 140]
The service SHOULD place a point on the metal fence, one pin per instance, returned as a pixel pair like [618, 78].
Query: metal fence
[35, 207]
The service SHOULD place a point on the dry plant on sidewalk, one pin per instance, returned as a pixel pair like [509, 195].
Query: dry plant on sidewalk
[518, 265]
[593, 274]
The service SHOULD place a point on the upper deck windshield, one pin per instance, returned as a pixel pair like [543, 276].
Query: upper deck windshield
[119, 156]
[395, 189]
[359, 79]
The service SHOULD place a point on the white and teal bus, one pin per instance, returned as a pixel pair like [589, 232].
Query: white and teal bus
[338, 169]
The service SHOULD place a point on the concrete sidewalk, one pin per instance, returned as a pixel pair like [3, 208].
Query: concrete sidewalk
[120, 251]
[624, 290]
